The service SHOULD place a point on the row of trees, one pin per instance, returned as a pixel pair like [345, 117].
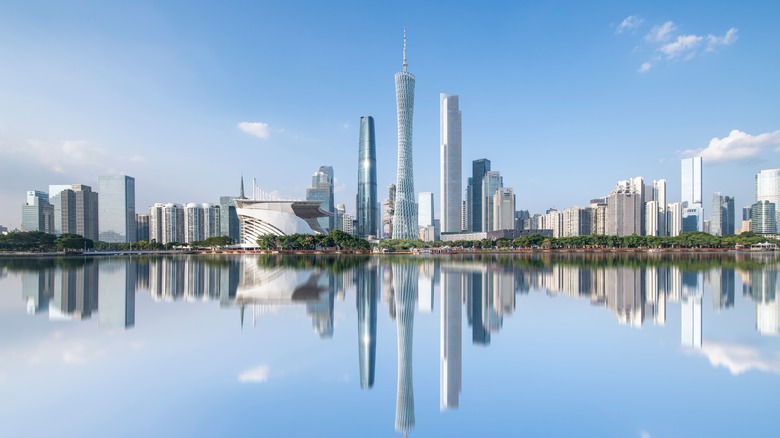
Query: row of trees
[335, 239]
[38, 241]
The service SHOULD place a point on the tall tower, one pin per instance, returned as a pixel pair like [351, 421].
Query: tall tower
[405, 285]
[405, 221]
[692, 194]
[450, 139]
[367, 298]
[366, 195]
[474, 205]
[116, 213]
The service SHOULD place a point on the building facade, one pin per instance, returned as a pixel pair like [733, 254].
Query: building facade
[116, 213]
[450, 172]
[768, 188]
[367, 217]
[722, 215]
[37, 212]
[322, 190]
[474, 199]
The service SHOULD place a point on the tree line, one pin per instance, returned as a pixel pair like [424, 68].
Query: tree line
[336, 239]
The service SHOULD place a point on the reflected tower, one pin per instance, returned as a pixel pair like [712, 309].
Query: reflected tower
[451, 343]
[405, 220]
[366, 281]
[366, 195]
[405, 284]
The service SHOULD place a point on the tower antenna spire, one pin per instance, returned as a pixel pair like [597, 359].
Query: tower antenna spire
[405, 65]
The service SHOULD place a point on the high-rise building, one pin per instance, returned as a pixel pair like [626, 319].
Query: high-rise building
[75, 210]
[691, 196]
[425, 210]
[211, 220]
[722, 215]
[768, 189]
[659, 195]
[142, 227]
[366, 195]
[674, 219]
[37, 212]
[577, 222]
[764, 218]
[193, 223]
[625, 208]
[504, 209]
[116, 217]
[491, 182]
[322, 190]
[451, 150]
[474, 199]
[553, 220]
[167, 223]
[405, 219]
[598, 215]
[388, 213]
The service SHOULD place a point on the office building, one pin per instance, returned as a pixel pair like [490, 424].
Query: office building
[212, 219]
[768, 188]
[167, 223]
[405, 219]
[763, 218]
[425, 209]
[491, 182]
[75, 210]
[674, 219]
[451, 150]
[625, 208]
[367, 216]
[388, 213]
[691, 196]
[322, 190]
[576, 222]
[193, 223]
[722, 215]
[37, 212]
[504, 209]
[474, 194]
[142, 227]
[116, 217]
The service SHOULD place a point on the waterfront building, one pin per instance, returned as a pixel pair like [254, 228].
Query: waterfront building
[193, 223]
[211, 220]
[764, 218]
[388, 213]
[553, 221]
[491, 182]
[75, 210]
[722, 215]
[503, 209]
[658, 194]
[625, 208]
[366, 194]
[674, 219]
[474, 194]
[451, 151]
[598, 215]
[405, 219]
[425, 209]
[691, 196]
[652, 215]
[322, 190]
[116, 217]
[37, 212]
[576, 222]
[280, 218]
[142, 227]
[768, 189]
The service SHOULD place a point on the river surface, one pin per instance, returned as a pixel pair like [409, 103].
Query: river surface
[269, 345]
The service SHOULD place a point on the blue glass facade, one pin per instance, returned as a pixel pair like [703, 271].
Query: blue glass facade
[366, 195]
[116, 217]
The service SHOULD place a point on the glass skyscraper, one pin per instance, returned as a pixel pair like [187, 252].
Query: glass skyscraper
[451, 179]
[322, 190]
[474, 202]
[692, 194]
[768, 189]
[366, 195]
[116, 217]
[405, 221]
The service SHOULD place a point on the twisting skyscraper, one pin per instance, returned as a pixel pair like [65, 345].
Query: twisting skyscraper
[366, 195]
[405, 221]
[450, 135]
[405, 285]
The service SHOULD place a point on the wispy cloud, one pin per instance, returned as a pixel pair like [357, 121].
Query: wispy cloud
[736, 146]
[665, 45]
[258, 129]
[258, 374]
[629, 23]
[661, 32]
[66, 157]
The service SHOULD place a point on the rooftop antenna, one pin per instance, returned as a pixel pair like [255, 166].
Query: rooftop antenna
[405, 65]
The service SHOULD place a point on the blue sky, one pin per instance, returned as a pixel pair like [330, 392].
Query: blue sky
[564, 98]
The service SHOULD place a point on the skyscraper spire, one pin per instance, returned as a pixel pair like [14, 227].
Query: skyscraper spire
[405, 65]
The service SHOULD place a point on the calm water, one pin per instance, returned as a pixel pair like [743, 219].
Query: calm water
[361, 346]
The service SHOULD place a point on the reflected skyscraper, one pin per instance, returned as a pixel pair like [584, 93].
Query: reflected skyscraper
[366, 196]
[691, 335]
[405, 220]
[451, 342]
[367, 298]
[116, 293]
[405, 285]
[474, 302]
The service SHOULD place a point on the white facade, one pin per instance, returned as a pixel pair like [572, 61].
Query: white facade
[674, 219]
[211, 220]
[193, 223]
[691, 181]
[425, 209]
[450, 162]
[553, 220]
[280, 218]
[504, 209]
[652, 215]
[768, 189]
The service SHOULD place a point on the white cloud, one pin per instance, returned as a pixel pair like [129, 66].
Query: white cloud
[257, 374]
[629, 23]
[739, 359]
[258, 129]
[714, 41]
[661, 33]
[644, 67]
[683, 45]
[736, 146]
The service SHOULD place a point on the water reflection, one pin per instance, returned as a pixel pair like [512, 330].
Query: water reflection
[637, 291]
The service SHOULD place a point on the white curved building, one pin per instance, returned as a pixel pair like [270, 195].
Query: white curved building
[280, 218]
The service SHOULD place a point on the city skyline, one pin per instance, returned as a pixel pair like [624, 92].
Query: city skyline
[568, 108]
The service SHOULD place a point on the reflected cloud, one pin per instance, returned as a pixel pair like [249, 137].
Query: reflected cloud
[257, 374]
[739, 359]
